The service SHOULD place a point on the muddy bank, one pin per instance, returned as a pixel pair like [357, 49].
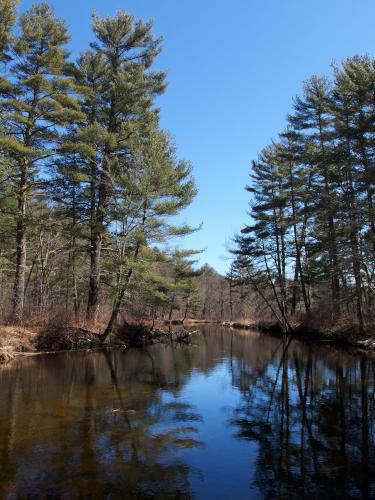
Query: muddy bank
[345, 336]
[17, 341]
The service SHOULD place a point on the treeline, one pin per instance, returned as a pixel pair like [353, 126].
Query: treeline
[89, 183]
[195, 293]
[309, 248]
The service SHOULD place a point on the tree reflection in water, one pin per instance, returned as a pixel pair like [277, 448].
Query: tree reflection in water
[104, 431]
[154, 423]
[313, 420]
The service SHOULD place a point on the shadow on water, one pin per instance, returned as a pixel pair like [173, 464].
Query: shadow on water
[291, 421]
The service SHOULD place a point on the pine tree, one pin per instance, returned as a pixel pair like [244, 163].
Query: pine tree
[37, 104]
[191, 300]
[312, 115]
[153, 188]
[293, 155]
[348, 125]
[312, 202]
[263, 245]
[8, 20]
[183, 288]
[117, 70]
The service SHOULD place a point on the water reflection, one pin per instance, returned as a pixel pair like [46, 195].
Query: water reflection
[237, 415]
[95, 425]
[311, 412]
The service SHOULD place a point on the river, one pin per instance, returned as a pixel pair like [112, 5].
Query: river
[233, 415]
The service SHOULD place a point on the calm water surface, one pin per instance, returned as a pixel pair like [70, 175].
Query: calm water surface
[232, 416]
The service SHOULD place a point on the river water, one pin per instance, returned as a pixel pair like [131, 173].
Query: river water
[234, 415]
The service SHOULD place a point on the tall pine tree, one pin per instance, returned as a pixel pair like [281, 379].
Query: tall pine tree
[37, 103]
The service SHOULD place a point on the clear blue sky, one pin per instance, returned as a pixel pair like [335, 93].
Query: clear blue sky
[233, 69]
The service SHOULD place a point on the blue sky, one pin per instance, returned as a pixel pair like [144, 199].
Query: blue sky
[233, 69]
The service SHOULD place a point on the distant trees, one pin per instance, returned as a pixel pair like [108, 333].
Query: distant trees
[310, 244]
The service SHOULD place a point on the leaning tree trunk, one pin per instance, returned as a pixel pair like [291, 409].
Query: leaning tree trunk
[117, 304]
[118, 300]
[121, 292]
[115, 312]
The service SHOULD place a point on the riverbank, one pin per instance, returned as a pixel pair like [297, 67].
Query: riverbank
[345, 334]
[18, 341]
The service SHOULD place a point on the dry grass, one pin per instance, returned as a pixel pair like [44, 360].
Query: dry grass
[58, 330]
[18, 338]
[319, 327]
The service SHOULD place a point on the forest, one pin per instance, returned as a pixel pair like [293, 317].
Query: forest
[90, 185]
[308, 250]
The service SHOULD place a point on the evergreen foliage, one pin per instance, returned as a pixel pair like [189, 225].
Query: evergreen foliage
[90, 185]
[310, 244]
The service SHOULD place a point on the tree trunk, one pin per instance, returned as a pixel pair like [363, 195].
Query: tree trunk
[121, 292]
[332, 244]
[298, 245]
[94, 281]
[19, 282]
[351, 200]
[115, 312]
[171, 310]
[96, 237]
[294, 294]
[369, 190]
[355, 253]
